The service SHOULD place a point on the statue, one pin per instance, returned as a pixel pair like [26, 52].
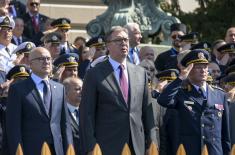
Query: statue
[147, 13]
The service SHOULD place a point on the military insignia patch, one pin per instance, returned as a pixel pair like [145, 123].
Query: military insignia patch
[201, 55]
[219, 114]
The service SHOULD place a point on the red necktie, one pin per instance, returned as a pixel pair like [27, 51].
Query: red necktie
[35, 25]
[123, 83]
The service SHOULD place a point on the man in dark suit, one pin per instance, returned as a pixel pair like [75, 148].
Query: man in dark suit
[34, 21]
[36, 110]
[202, 109]
[168, 59]
[18, 36]
[73, 88]
[16, 9]
[115, 107]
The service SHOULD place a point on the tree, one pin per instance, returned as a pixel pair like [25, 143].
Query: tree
[211, 19]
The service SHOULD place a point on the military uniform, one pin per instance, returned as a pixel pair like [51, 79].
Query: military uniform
[203, 115]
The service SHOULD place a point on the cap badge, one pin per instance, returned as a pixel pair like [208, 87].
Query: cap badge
[22, 69]
[64, 21]
[173, 74]
[100, 40]
[54, 38]
[232, 47]
[205, 45]
[201, 55]
[71, 59]
[28, 46]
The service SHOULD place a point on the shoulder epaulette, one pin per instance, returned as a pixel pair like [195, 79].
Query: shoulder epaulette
[216, 87]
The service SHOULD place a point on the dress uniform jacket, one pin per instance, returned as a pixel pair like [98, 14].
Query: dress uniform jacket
[232, 122]
[204, 122]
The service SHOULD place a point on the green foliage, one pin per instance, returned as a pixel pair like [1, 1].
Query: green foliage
[211, 20]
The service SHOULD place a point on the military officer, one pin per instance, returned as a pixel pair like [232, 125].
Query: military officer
[67, 65]
[22, 52]
[202, 109]
[7, 57]
[63, 26]
[52, 42]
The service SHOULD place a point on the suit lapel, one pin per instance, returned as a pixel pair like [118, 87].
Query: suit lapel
[131, 77]
[37, 97]
[112, 81]
[73, 121]
[53, 94]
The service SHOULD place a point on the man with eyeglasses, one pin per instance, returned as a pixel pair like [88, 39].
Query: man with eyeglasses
[63, 26]
[115, 107]
[36, 110]
[168, 59]
[34, 21]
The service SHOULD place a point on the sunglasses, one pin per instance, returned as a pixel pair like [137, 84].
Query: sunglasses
[176, 36]
[34, 4]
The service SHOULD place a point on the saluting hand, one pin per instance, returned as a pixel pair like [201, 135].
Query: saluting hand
[184, 71]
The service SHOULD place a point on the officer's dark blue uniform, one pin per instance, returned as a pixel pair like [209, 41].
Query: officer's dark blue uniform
[204, 120]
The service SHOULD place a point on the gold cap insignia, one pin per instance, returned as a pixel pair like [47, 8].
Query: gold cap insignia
[205, 45]
[219, 114]
[194, 36]
[71, 59]
[22, 69]
[201, 55]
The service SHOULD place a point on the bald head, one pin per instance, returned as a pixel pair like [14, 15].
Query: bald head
[40, 62]
[230, 35]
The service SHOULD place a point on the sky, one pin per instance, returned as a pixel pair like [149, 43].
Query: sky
[188, 5]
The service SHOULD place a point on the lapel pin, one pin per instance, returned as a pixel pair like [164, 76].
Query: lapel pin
[54, 87]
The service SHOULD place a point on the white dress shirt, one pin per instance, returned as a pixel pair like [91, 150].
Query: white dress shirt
[72, 111]
[39, 85]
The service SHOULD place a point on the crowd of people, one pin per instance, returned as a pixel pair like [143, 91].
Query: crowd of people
[107, 90]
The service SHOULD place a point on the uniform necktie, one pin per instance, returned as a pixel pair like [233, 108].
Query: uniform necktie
[202, 92]
[19, 41]
[123, 83]
[8, 51]
[35, 25]
[46, 95]
[76, 112]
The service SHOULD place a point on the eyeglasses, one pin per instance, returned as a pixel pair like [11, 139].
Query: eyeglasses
[119, 40]
[42, 59]
[34, 4]
[176, 36]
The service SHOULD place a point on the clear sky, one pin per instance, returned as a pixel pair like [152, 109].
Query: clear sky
[188, 5]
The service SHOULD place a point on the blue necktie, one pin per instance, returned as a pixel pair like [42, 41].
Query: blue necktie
[76, 112]
[46, 95]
